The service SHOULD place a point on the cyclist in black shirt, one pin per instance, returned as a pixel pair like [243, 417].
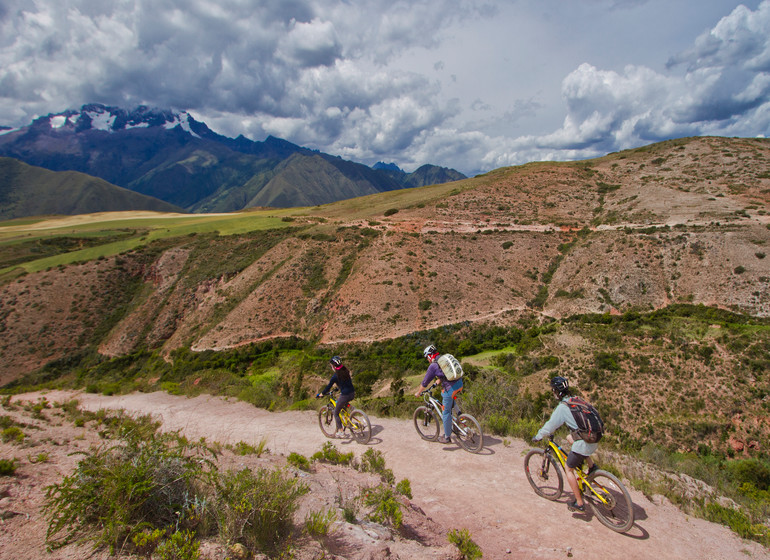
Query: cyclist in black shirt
[343, 379]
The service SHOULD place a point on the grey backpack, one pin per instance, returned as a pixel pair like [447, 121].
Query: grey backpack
[450, 366]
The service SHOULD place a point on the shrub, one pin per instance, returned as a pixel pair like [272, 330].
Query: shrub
[147, 541]
[41, 457]
[738, 522]
[7, 467]
[373, 461]
[182, 545]
[298, 461]
[243, 448]
[317, 522]
[13, 435]
[752, 471]
[330, 454]
[404, 487]
[387, 508]
[390, 211]
[118, 491]
[256, 508]
[464, 543]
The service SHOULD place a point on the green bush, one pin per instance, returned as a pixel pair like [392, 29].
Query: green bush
[317, 522]
[404, 487]
[738, 522]
[752, 471]
[14, 434]
[374, 462]
[7, 467]
[299, 461]
[181, 545]
[256, 508]
[387, 508]
[330, 454]
[464, 543]
[243, 448]
[147, 541]
[118, 491]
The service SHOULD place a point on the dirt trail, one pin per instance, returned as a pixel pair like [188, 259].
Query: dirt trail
[486, 493]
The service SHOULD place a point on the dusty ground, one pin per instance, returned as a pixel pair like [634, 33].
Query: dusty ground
[487, 494]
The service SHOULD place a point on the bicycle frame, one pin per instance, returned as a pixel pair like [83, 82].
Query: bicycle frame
[344, 413]
[433, 402]
[602, 491]
[428, 419]
[583, 482]
[350, 417]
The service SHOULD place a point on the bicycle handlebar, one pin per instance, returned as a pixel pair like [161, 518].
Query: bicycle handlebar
[429, 389]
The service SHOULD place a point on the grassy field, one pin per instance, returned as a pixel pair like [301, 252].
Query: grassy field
[135, 230]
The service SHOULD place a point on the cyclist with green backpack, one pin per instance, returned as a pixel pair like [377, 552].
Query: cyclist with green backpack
[449, 389]
[581, 450]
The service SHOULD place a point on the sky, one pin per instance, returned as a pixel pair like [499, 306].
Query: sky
[468, 84]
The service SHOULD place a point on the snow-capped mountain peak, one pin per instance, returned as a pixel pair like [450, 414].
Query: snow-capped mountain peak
[95, 116]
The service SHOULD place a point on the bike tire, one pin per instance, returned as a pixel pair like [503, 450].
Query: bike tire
[544, 474]
[427, 423]
[618, 514]
[360, 426]
[468, 433]
[326, 421]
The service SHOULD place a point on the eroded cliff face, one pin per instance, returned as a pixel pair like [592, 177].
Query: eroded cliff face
[684, 222]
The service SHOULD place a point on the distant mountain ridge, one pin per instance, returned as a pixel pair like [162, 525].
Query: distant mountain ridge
[26, 190]
[171, 156]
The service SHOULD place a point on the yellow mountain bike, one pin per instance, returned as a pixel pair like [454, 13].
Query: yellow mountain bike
[602, 490]
[352, 419]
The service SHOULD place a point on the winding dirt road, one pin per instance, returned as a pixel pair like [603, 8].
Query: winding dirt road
[487, 493]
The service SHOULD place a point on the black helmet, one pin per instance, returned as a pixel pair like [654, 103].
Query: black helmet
[336, 361]
[560, 385]
[429, 351]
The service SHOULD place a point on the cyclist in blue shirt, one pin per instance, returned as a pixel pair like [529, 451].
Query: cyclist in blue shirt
[448, 390]
[581, 451]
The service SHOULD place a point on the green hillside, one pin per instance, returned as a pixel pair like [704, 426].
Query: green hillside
[26, 190]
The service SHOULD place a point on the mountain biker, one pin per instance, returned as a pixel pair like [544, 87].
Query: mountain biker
[581, 451]
[448, 392]
[344, 380]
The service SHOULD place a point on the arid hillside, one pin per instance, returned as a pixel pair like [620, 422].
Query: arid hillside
[679, 221]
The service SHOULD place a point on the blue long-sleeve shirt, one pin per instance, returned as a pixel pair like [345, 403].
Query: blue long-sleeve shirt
[561, 415]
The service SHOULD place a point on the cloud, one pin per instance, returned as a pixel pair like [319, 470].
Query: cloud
[331, 75]
[311, 71]
[724, 89]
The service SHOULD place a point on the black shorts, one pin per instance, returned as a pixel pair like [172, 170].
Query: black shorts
[575, 460]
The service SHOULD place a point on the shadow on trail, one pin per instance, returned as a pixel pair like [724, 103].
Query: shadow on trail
[636, 532]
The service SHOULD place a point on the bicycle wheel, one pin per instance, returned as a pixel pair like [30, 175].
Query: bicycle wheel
[468, 433]
[360, 426]
[618, 511]
[426, 423]
[326, 421]
[544, 474]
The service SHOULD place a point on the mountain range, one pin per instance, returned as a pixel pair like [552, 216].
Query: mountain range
[170, 156]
